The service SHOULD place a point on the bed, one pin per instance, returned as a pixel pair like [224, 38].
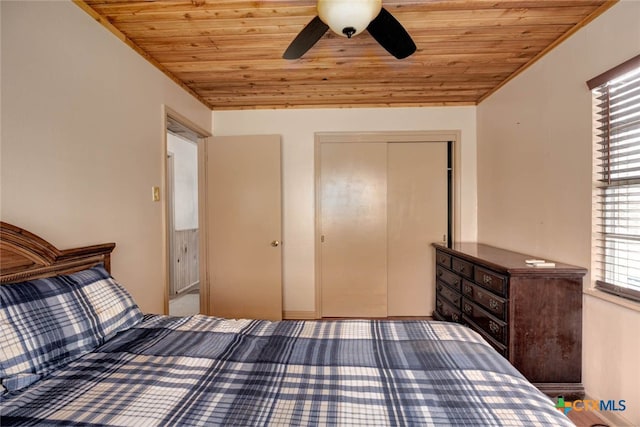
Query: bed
[76, 350]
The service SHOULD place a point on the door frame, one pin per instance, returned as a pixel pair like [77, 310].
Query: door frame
[170, 196]
[320, 138]
[202, 135]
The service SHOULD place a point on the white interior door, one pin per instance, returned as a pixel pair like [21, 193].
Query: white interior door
[244, 226]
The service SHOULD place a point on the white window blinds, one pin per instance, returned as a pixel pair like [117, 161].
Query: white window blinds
[616, 105]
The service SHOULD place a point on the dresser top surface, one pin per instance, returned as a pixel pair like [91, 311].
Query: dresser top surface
[505, 260]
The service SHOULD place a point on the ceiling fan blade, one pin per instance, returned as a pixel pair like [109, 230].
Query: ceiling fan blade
[309, 35]
[391, 35]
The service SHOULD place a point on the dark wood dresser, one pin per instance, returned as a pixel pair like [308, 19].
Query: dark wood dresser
[531, 315]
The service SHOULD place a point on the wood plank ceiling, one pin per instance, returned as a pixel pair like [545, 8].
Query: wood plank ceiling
[228, 53]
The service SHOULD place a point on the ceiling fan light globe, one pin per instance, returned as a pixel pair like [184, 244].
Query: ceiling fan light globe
[341, 14]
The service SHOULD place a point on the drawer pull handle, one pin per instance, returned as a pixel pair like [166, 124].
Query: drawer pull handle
[439, 304]
[486, 279]
[468, 309]
[456, 283]
[493, 327]
[467, 289]
[440, 273]
[439, 287]
[443, 260]
[493, 304]
[455, 317]
[462, 269]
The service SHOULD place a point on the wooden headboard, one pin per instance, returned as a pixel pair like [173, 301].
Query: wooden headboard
[25, 256]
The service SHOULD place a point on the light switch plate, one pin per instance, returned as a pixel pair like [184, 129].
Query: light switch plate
[155, 194]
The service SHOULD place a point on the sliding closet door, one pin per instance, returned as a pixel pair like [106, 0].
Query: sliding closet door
[381, 205]
[353, 199]
[417, 216]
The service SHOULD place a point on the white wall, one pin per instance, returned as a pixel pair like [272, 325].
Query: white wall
[534, 184]
[185, 182]
[82, 139]
[297, 128]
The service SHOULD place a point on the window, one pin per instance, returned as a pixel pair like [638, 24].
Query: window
[616, 107]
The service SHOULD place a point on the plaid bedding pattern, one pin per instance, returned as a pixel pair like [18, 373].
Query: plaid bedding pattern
[199, 370]
[46, 323]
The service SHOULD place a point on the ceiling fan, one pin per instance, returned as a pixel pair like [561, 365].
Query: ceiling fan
[349, 18]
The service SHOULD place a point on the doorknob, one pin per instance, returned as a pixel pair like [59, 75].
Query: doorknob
[275, 243]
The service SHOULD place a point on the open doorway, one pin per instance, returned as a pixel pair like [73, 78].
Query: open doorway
[183, 219]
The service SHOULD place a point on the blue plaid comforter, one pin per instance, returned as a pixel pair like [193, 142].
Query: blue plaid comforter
[200, 370]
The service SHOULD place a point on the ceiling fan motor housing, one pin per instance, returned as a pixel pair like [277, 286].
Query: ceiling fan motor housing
[348, 17]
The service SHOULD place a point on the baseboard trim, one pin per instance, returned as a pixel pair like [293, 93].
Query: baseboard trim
[299, 315]
[570, 391]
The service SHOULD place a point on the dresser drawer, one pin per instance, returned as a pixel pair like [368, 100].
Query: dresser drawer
[443, 259]
[448, 311]
[497, 329]
[496, 305]
[449, 278]
[449, 294]
[490, 280]
[461, 267]
[500, 348]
